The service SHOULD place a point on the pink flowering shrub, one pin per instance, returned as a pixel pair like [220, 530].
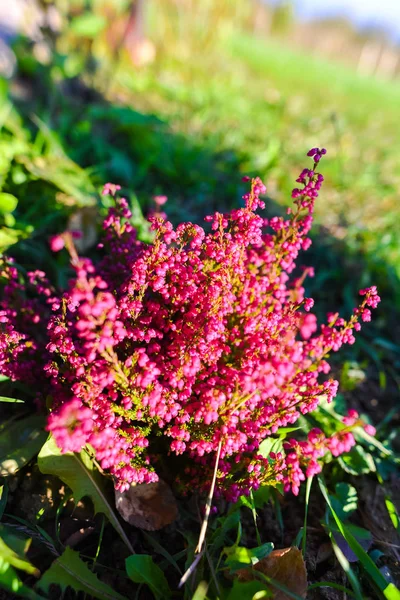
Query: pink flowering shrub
[194, 342]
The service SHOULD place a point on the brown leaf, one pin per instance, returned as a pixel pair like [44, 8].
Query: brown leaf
[148, 506]
[286, 566]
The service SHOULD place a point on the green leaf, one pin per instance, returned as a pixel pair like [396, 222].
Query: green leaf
[11, 400]
[270, 445]
[79, 472]
[69, 570]
[345, 500]
[8, 237]
[262, 496]
[141, 569]
[251, 590]
[12, 556]
[88, 25]
[61, 171]
[201, 591]
[15, 556]
[357, 461]
[10, 581]
[8, 203]
[392, 512]
[14, 540]
[238, 556]
[370, 439]
[19, 442]
[283, 431]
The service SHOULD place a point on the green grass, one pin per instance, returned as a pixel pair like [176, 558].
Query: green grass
[268, 104]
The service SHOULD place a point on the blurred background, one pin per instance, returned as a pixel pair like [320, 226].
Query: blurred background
[184, 97]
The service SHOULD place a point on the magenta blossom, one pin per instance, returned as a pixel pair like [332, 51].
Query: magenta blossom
[202, 340]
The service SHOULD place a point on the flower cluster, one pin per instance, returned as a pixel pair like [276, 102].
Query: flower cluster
[198, 342]
[302, 458]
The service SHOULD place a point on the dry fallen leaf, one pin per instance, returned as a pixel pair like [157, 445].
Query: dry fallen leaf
[148, 506]
[286, 566]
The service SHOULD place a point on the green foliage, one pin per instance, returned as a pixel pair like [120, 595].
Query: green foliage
[344, 501]
[357, 461]
[69, 570]
[79, 472]
[360, 534]
[8, 203]
[13, 550]
[237, 556]
[88, 25]
[253, 590]
[201, 591]
[12, 558]
[172, 128]
[388, 590]
[141, 569]
[20, 441]
[10, 581]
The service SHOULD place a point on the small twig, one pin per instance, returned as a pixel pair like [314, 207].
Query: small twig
[387, 544]
[190, 570]
[208, 503]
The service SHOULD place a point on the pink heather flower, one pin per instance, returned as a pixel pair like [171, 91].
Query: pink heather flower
[370, 429]
[308, 326]
[160, 200]
[353, 419]
[316, 153]
[110, 189]
[202, 339]
[71, 426]
[341, 442]
[308, 304]
[57, 243]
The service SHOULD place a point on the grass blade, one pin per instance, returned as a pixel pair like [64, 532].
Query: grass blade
[11, 400]
[307, 499]
[254, 513]
[389, 590]
[344, 563]
[331, 584]
[278, 585]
